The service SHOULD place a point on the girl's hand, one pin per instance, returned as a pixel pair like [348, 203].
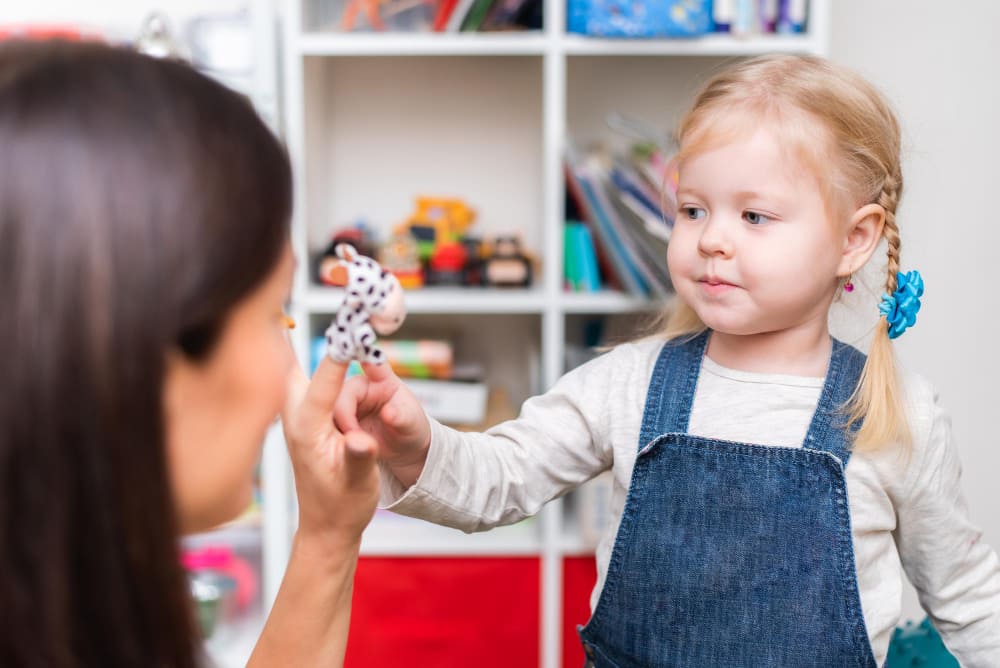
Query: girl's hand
[336, 479]
[381, 405]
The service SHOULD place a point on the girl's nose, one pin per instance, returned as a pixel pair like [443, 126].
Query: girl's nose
[715, 238]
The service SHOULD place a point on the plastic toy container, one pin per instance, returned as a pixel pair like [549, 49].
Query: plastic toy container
[639, 18]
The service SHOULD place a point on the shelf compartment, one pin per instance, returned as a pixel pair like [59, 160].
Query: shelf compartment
[381, 132]
[503, 350]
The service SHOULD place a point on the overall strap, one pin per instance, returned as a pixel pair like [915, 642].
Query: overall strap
[828, 430]
[672, 387]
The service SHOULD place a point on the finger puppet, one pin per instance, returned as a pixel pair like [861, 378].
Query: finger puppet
[373, 303]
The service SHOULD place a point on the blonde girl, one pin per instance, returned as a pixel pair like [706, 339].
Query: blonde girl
[771, 484]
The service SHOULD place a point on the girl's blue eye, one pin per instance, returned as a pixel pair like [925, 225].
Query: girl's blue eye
[755, 218]
[693, 212]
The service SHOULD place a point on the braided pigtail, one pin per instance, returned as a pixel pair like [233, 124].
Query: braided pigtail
[878, 398]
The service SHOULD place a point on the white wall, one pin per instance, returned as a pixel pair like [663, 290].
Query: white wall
[937, 63]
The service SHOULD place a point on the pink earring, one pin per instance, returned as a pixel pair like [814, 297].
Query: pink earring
[848, 286]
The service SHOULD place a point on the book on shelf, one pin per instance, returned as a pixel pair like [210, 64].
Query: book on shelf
[503, 15]
[593, 213]
[623, 220]
[476, 16]
[443, 14]
[741, 17]
[458, 14]
[496, 15]
[580, 261]
[577, 209]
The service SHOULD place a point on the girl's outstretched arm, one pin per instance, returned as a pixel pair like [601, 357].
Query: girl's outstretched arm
[476, 481]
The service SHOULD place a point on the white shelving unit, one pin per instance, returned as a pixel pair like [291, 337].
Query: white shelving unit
[371, 120]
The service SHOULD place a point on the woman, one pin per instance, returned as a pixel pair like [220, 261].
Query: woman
[144, 262]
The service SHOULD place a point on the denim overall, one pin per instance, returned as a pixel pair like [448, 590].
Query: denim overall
[731, 554]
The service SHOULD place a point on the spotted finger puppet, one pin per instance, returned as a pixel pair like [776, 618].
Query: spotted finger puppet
[373, 304]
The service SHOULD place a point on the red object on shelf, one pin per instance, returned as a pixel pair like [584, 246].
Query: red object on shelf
[579, 578]
[445, 612]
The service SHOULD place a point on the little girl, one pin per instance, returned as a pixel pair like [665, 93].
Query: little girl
[771, 484]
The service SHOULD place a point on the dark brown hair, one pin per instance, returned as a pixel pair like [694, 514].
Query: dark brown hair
[139, 202]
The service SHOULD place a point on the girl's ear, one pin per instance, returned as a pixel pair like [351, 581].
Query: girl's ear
[863, 235]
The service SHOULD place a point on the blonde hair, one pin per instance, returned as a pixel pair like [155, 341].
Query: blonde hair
[859, 146]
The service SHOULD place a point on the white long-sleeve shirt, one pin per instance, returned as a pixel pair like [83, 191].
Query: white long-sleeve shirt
[907, 509]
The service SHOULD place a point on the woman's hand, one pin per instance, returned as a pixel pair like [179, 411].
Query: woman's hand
[336, 478]
[337, 484]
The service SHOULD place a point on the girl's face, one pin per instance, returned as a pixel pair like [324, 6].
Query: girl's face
[754, 249]
[218, 409]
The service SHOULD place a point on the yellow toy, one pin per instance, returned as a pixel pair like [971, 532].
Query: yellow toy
[436, 220]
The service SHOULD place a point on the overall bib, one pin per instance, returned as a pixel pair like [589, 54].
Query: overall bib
[731, 554]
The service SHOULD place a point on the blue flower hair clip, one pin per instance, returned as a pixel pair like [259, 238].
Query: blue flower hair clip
[900, 308]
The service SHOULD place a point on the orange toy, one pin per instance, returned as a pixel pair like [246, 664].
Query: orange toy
[370, 8]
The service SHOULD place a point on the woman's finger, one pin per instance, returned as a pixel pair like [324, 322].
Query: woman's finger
[316, 409]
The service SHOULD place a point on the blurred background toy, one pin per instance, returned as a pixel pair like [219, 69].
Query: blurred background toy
[433, 246]
[360, 236]
[435, 221]
[401, 256]
[447, 264]
[507, 265]
[475, 253]
[222, 583]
